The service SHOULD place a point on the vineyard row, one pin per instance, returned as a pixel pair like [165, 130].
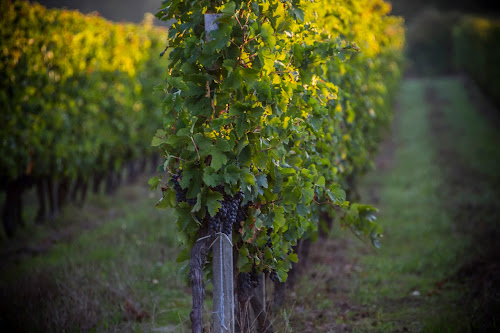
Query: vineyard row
[77, 100]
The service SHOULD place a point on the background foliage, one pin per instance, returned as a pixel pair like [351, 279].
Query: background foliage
[75, 90]
[447, 42]
[477, 51]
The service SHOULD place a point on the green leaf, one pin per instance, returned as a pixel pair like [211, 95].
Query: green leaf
[245, 155]
[213, 203]
[266, 31]
[210, 177]
[177, 82]
[228, 10]
[298, 12]
[244, 265]
[192, 89]
[307, 194]
[249, 178]
[232, 81]
[203, 144]
[218, 159]
[282, 275]
[242, 126]
[188, 172]
[268, 255]
[199, 203]
[321, 181]
[292, 195]
[194, 186]
[162, 203]
[298, 52]
[153, 183]
[184, 255]
[266, 58]
[157, 141]
[279, 217]
[232, 174]
[237, 109]
[336, 193]
[175, 140]
[221, 37]
[229, 64]
[244, 250]
[261, 181]
[224, 145]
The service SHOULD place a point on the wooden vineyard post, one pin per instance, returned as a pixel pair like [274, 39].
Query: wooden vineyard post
[210, 24]
[222, 266]
[222, 255]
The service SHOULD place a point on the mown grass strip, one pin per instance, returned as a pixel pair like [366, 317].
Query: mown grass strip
[416, 280]
[117, 274]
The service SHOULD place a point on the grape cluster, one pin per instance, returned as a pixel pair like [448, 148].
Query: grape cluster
[242, 213]
[228, 215]
[248, 281]
[274, 276]
[181, 193]
[214, 222]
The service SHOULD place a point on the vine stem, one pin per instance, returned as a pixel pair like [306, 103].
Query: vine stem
[178, 158]
[198, 255]
[334, 206]
[266, 203]
[195, 147]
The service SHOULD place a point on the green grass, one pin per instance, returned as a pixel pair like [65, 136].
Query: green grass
[127, 255]
[424, 243]
[420, 247]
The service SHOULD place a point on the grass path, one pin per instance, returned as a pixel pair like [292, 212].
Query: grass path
[406, 278]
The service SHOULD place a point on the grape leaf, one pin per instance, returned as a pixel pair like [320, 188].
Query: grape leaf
[232, 174]
[213, 203]
[218, 159]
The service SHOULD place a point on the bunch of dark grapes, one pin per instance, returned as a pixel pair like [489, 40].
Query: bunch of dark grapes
[274, 276]
[214, 222]
[181, 193]
[232, 210]
[228, 214]
[248, 281]
[244, 284]
[254, 277]
[242, 213]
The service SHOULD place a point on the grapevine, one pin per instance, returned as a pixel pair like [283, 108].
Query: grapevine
[260, 107]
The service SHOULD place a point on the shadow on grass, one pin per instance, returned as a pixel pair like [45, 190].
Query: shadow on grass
[107, 267]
